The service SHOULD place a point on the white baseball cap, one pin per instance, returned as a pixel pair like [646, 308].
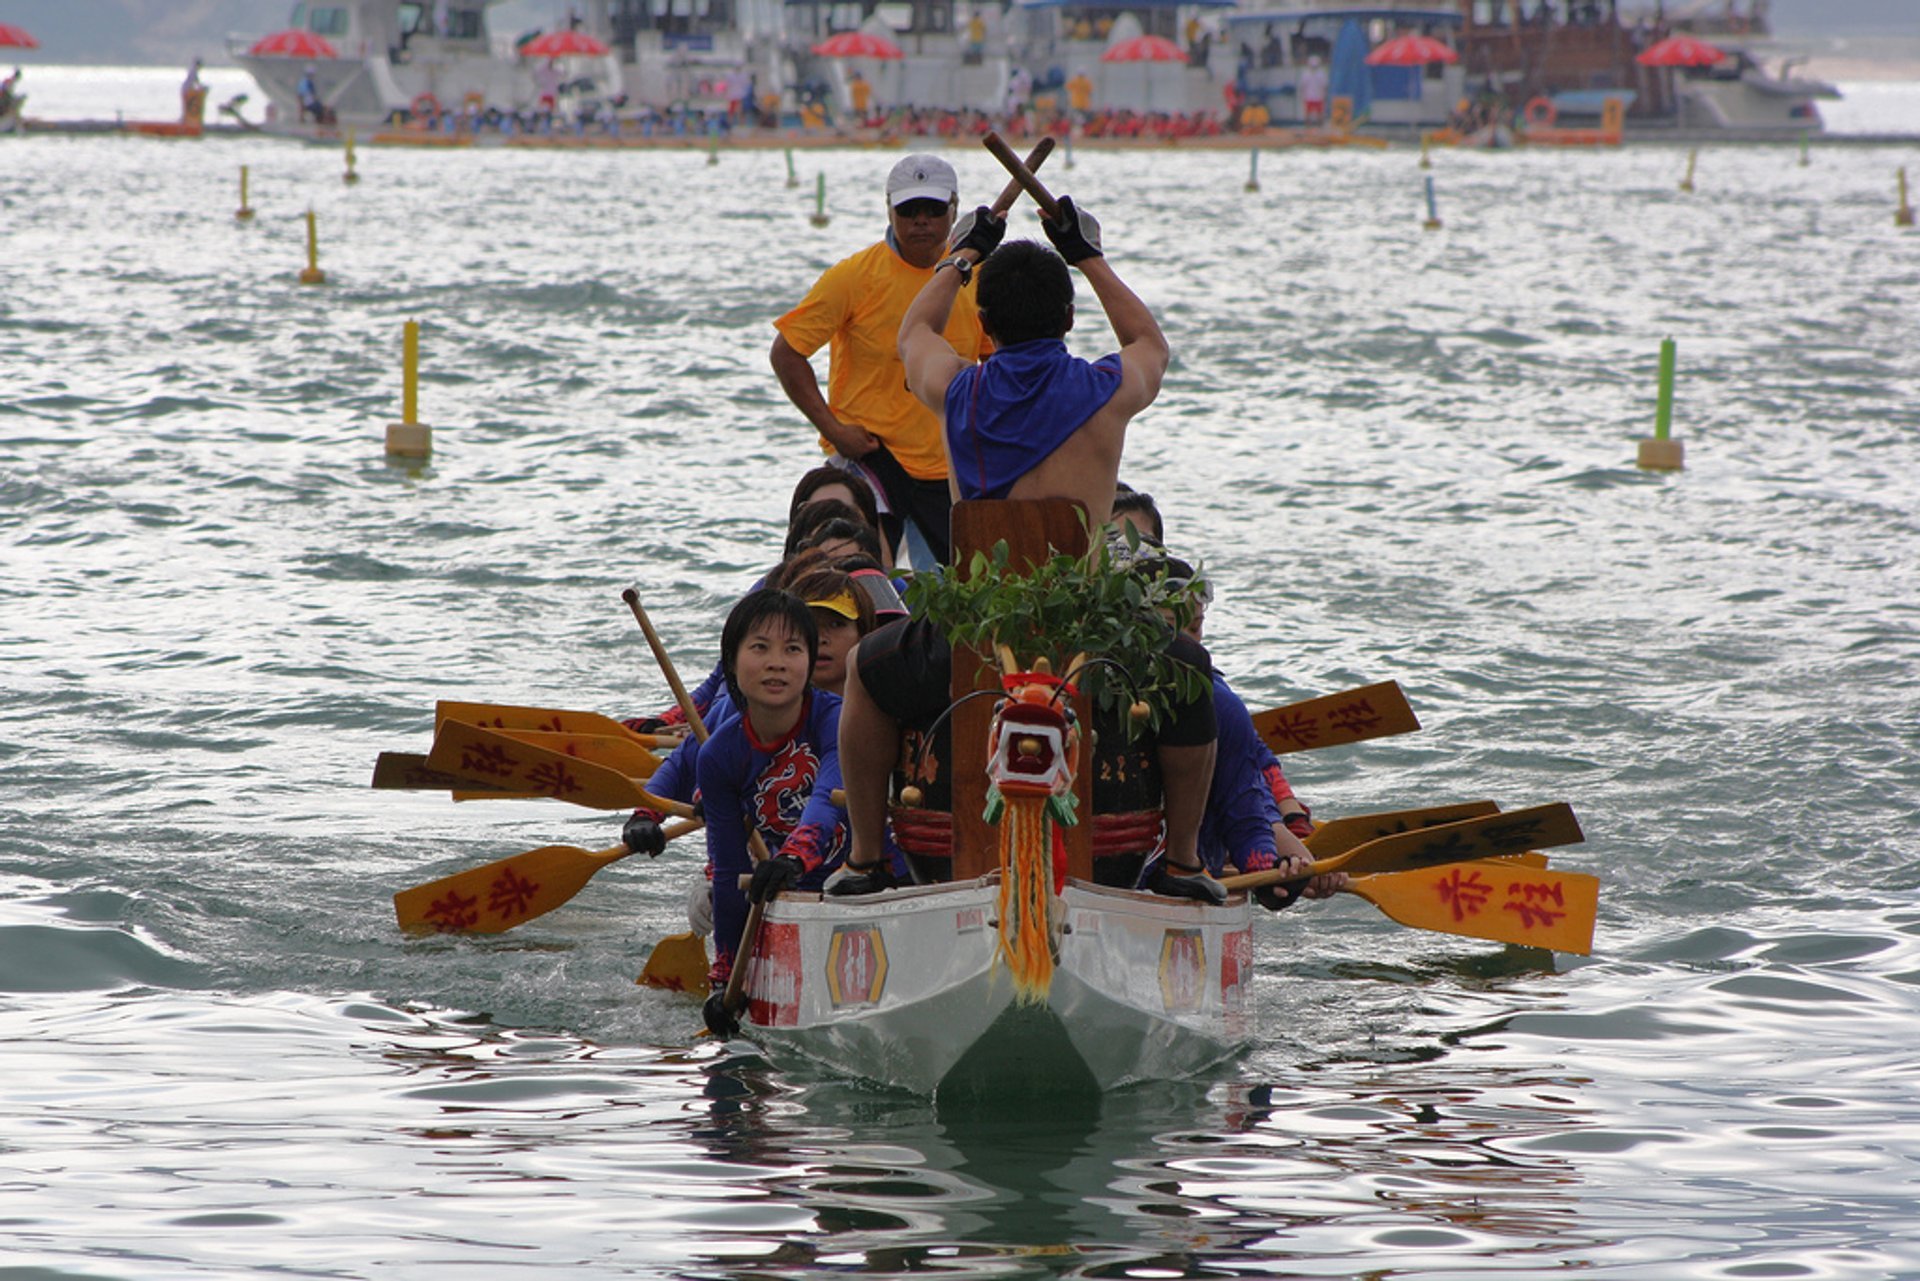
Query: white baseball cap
[922, 177]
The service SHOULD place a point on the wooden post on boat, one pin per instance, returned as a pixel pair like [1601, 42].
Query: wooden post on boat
[1034, 530]
[1660, 452]
[1903, 216]
[409, 438]
[245, 212]
[313, 275]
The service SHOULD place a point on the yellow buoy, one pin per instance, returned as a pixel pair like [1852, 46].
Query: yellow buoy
[350, 177]
[313, 275]
[409, 438]
[245, 212]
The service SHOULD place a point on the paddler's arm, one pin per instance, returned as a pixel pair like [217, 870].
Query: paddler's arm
[797, 379]
[930, 359]
[1144, 353]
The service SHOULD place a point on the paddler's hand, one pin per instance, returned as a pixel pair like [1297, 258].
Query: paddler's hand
[1076, 234]
[718, 1018]
[1279, 897]
[642, 835]
[980, 231]
[781, 872]
[850, 440]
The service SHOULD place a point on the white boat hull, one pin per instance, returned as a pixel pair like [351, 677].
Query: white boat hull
[905, 989]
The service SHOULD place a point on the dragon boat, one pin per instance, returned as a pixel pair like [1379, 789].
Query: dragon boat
[1018, 958]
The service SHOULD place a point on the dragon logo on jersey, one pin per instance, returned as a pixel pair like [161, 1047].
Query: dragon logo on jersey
[780, 795]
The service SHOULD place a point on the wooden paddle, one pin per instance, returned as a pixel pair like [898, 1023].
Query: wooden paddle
[1514, 900]
[735, 995]
[1022, 174]
[1371, 711]
[678, 963]
[550, 720]
[409, 772]
[509, 891]
[1342, 834]
[491, 758]
[1489, 836]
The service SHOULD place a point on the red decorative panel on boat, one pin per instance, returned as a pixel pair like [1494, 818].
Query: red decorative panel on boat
[1236, 968]
[773, 989]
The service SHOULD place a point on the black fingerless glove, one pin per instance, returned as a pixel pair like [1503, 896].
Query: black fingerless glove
[1075, 233]
[1276, 898]
[718, 1018]
[781, 872]
[642, 835]
[980, 231]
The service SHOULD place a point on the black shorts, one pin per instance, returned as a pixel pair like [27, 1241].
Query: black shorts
[907, 666]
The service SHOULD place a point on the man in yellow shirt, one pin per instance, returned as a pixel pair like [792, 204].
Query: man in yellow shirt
[867, 417]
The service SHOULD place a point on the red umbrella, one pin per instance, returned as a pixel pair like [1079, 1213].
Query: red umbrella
[294, 44]
[564, 44]
[12, 37]
[858, 44]
[1679, 51]
[1411, 51]
[1145, 49]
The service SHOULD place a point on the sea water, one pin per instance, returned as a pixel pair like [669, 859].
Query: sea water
[1401, 454]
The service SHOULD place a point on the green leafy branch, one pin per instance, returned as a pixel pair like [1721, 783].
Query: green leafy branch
[1069, 605]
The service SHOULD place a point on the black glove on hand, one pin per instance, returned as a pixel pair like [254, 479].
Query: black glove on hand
[979, 230]
[1193, 885]
[848, 880]
[1076, 234]
[642, 835]
[718, 1018]
[781, 872]
[1277, 898]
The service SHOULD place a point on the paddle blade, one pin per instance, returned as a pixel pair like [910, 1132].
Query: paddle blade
[1541, 827]
[1372, 711]
[492, 759]
[1505, 901]
[1342, 834]
[503, 894]
[622, 755]
[546, 720]
[409, 772]
[678, 963]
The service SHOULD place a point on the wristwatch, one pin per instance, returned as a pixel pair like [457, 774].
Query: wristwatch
[963, 267]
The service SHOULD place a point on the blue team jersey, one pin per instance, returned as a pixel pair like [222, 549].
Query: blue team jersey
[784, 790]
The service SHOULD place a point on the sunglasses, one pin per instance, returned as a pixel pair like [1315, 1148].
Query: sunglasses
[922, 209]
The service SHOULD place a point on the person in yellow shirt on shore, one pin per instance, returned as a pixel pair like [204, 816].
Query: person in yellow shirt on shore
[868, 420]
[1080, 95]
[1254, 117]
[861, 92]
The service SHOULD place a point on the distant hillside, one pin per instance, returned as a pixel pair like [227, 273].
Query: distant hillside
[171, 31]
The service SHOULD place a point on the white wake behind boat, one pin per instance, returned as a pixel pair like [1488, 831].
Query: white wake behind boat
[908, 988]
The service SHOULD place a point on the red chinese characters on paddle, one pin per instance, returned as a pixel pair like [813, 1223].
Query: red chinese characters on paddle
[511, 895]
[1538, 904]
[492, 761]
[454, 913]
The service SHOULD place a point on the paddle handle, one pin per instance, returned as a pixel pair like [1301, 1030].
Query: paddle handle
[735, 995]
[1022, 175]
[1278, 876]
[1011, 192]
[680, 695]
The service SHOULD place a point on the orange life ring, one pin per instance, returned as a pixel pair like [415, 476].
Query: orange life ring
[425, 106]
[1541, 113]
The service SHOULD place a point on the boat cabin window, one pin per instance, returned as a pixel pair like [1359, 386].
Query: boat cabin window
[462, 24]
[323, 19]
[413, 19]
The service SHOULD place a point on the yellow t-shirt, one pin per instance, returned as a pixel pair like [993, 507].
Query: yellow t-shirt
[856, 306]
[1080, 91]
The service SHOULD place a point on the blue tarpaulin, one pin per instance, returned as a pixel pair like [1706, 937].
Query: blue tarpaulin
[1348, 76]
